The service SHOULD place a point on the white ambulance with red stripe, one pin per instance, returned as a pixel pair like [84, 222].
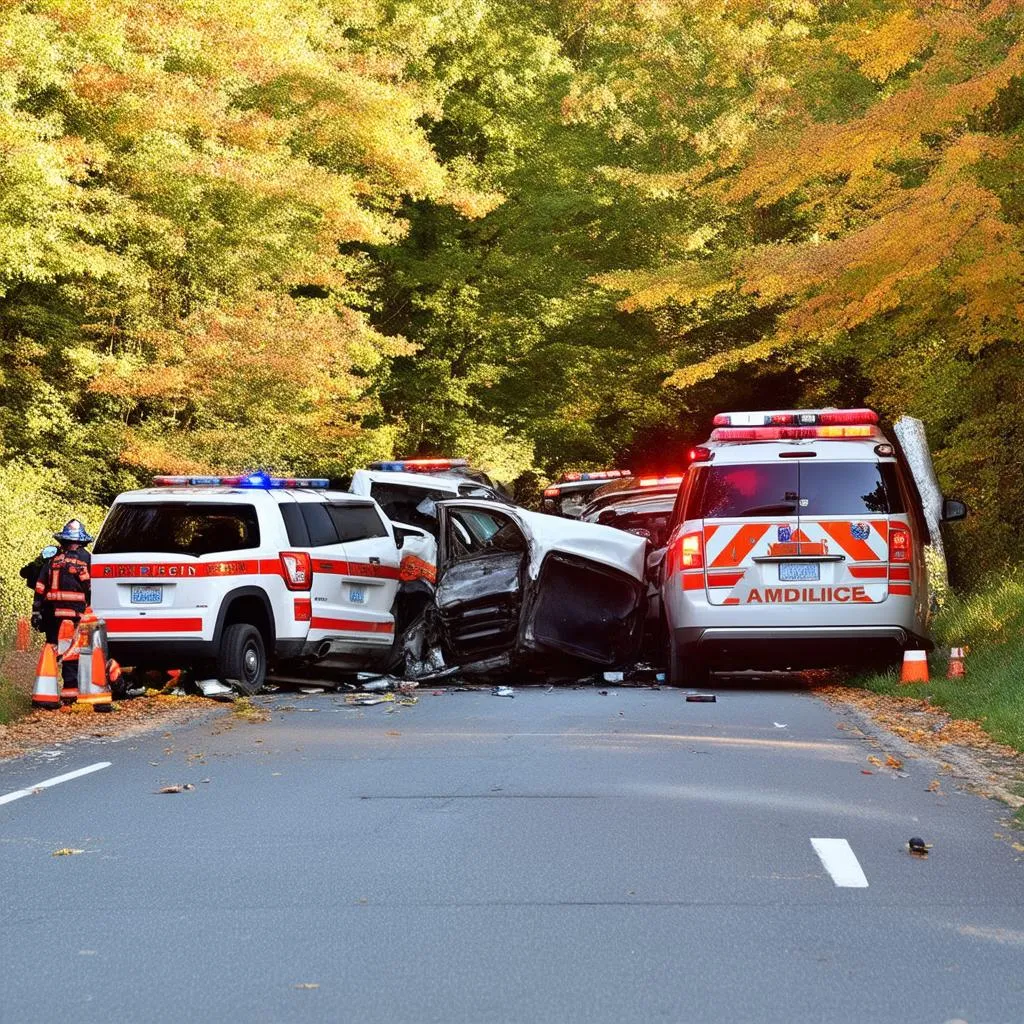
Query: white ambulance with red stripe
[231, 574]
[797, 541]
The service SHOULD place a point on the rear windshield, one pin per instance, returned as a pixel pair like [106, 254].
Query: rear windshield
[799, 487]
[178, 528]
[411, 505]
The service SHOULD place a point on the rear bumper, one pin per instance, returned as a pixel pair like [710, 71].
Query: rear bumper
[796, 646]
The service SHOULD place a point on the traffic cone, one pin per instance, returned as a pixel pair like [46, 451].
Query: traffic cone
[957, 668]
[93, 686]
[21, 642]
[65, 638]
[75, 665]
[46, 691]
[915, 667]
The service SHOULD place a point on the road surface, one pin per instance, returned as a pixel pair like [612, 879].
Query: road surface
[561, 857]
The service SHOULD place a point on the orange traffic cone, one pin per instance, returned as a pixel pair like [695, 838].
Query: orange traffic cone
[46, 691]
[65, 638]
[21, 642]
[93, 687]
[915, 667]
[77, 658]
[957, 668]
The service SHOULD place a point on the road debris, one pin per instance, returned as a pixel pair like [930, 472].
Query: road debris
[613, 677]
[780, 725]
[602, 693]
[503, 691]
[176, 789]
[935, 786]
[66, 851]
[307, 984]
[893, 762]
[865, 771]
[215, 689]
[917, 846]
[701, 698]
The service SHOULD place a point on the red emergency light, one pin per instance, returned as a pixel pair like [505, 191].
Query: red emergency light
[425, 465]
[658, 481]
[792, 433]
[597, 474]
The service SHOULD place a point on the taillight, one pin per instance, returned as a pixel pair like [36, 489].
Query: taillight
[700, 454]
[899, 544]
[297, 570]
[691, 553]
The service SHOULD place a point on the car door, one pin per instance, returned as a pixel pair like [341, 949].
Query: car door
[526, 583]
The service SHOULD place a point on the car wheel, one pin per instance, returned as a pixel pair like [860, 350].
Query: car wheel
[683, 668]
[242, 658]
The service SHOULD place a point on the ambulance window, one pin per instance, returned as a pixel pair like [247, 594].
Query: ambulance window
[356, 522]
[751, 491]
[178, 528]
[849, 488]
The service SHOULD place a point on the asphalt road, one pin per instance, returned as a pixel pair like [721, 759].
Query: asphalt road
[559, 857]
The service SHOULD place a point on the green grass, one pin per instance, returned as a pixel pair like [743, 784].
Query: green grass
[991, 623]
[14, 702]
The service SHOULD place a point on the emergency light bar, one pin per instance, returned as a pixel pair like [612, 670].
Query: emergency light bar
[599, 474]
[799, 418]
[658, 481]
[792, 433]
[419, 465]
[250, 480]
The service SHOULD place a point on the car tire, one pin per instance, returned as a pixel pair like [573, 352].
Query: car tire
[242, 658]
[683, 668]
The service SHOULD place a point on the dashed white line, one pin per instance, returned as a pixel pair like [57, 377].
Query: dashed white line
[840, 862]
[56, 781]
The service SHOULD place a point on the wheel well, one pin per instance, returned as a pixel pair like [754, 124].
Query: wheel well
[251, 609]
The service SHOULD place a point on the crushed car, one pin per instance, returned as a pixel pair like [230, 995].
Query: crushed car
[569, 495]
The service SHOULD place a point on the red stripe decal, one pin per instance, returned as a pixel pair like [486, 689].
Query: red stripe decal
[868, 572]
[693, 580]
[154, 625]
[858, 550]
[367, 570]
[352, 625]
[737, 550]
[898, 572]
[724, 579]
[900, 589]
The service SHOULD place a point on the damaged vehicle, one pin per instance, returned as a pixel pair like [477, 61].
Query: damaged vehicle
[519, 589]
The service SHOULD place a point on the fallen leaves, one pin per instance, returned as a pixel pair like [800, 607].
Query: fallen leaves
[66, 851]
[876, 761]
[176, 789]
[893, 762]
[935, 786]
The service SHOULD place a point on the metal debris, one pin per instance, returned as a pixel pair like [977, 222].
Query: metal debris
[503, 691]
[701, 698]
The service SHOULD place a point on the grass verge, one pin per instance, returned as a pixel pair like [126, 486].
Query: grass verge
[991, 623]
[14, 701]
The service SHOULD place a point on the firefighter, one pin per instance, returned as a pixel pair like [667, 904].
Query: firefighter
[62, 591]
[34, 571]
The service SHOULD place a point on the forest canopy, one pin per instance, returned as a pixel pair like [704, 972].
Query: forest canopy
[299, 235]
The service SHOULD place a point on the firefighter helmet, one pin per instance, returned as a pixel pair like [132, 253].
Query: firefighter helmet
[74, 532]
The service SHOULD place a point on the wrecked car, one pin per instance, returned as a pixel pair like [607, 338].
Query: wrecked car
[520, 589]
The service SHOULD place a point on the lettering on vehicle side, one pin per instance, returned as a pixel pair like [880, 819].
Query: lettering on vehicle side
[112, 571]
[807, 595]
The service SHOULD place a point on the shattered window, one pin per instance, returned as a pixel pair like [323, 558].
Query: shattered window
[473, 532]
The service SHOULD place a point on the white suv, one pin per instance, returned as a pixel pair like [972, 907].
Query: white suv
[229, 574]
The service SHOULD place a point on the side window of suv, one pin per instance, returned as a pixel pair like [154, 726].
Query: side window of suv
[356, 522]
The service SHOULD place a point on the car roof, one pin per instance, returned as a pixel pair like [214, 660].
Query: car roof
[240, 495]
[846, 450]
[632, 503]
[434, 481]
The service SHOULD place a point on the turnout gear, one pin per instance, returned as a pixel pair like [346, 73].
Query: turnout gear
[63, 588]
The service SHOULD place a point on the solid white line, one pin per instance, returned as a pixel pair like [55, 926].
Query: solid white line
[56, 781]
[840, 862]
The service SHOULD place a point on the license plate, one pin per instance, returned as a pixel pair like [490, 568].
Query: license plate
[792, 572]
[147, 595]
[357, 595]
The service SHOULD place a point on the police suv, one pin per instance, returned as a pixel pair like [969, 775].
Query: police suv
[229, 574]
[797, 540]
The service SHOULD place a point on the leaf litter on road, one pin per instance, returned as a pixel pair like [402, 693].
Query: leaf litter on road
[66, 851]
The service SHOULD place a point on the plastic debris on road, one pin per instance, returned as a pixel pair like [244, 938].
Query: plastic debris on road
[917, 847]
[701, 698]
[503, 691]
[215, 689]
[176, 789]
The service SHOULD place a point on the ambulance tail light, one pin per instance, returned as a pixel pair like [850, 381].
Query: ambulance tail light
[700, 454]
[899, 545]
[297, 570]
[691, 551]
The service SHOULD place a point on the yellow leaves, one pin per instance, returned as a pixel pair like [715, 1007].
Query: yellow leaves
[882, 50]
[687, 281]
[687, 376]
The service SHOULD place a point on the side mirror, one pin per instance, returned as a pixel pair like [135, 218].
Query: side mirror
[399, 540]
[953, 510]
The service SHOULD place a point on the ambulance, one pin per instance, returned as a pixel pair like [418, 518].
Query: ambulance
[797, 540]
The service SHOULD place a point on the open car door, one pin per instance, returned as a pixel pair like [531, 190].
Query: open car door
[523, 584]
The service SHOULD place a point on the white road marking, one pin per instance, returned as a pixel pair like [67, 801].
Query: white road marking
[56, 781]
[840, 862]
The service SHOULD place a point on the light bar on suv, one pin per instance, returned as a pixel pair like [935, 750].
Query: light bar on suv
[419, 465]
[799, 418]
[260, 480]
[597, 474]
